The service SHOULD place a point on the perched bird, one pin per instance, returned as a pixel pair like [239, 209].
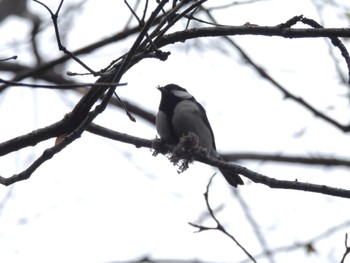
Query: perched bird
[179, 113]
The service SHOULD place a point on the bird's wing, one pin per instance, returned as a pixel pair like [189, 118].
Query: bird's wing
[202, 114]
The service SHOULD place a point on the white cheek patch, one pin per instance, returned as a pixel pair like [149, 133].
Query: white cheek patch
[182, 94]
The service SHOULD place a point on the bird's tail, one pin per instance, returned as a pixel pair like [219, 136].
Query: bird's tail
[231, 177]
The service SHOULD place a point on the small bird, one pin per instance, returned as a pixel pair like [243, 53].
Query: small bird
[179, 114]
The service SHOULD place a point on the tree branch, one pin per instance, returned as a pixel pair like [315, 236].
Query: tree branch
[347, 249]
[254, 176]
[217, 31]
[279, 30]
[307, 244]
[281, 158]
[219, 226]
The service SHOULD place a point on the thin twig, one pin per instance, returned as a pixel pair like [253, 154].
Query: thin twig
[177, 18]
[219, 226]
[347, 249]
[52, 151]
[126, 61]
[141, 23]
[302, 244]
[144, 11]
[286, 93]
[59, 86]
[81, 111]
[9, 58]
[335, 41]
[128, 113]
[317, 159]
[254, 224]
[54, 17]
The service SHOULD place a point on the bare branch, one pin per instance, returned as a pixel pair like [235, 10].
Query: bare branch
[59, 86]
[335, 41]
[253, 30]
[234, 3]
[254, 176]
[292, 159]
[307, 244]
[219, 226]
[81, 113]
[175, 19]
[254, 224]
[54, 17]
[68, 139]
[9, 58]
[286, 93]
[347, 249]
[281, 31]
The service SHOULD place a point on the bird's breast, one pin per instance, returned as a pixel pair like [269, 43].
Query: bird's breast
[163, 126]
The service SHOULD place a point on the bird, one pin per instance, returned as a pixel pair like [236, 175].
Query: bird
[180, 114]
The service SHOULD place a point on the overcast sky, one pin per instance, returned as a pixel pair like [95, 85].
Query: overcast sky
[100, 201]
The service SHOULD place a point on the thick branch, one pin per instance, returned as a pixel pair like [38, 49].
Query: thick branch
[254, 176]
[312, 160]
[193, 33]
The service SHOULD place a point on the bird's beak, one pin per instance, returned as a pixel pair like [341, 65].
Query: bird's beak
[161, 89]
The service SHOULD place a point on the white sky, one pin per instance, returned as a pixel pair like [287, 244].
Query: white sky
[100, 201]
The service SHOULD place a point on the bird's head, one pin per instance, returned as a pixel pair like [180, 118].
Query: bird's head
[174, 91]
